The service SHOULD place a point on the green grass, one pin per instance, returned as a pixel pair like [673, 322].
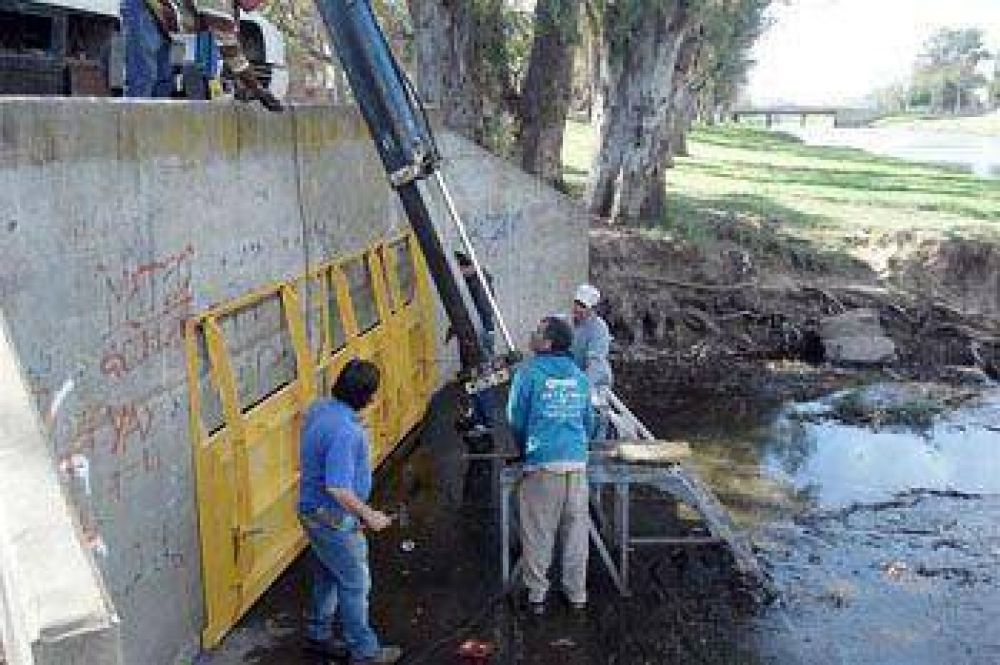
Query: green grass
[981, 125]
[819, 194]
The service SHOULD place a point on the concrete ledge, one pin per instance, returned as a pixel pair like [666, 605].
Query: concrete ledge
[54, 607]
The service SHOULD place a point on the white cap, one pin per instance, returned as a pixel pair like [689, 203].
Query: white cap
[587, 295]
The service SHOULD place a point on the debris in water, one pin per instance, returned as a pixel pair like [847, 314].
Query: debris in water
[895, 569]
[407, 545]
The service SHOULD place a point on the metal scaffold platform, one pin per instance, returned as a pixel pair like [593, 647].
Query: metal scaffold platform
[637, 459]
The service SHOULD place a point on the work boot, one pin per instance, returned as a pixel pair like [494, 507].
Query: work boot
[385, 654]
[269, 101]
[333, 648]
[254, 90]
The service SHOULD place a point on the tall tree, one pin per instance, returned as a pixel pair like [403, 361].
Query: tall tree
[547, 91]
[659, 56]
[642, 42]
[947, 69]
[462, 63]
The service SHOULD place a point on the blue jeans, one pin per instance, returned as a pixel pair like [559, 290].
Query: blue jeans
[484, 403]
[147, 52]
[341, 582]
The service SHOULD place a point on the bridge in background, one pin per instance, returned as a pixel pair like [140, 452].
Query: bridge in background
[841, 116]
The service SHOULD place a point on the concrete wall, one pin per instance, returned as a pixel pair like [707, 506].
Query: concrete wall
[120, 220]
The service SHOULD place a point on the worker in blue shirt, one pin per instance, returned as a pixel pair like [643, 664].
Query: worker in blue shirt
[335, 486]
[551, 419]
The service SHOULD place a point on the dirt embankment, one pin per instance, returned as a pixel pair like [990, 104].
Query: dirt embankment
[724, 313]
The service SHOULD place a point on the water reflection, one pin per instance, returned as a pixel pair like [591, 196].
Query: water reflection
[769, 460]
[841, 464]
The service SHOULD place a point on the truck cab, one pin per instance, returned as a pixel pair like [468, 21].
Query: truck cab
[76, 48]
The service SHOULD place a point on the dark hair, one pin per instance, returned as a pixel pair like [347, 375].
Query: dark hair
[558, 332]
[463, 259]
[357, 383]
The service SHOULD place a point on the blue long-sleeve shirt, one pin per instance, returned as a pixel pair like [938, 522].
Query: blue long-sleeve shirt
[591, 345]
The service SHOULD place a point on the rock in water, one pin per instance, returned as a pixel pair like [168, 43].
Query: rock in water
[856, 338]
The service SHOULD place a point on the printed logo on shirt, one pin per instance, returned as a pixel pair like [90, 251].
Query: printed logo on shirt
[562, 399]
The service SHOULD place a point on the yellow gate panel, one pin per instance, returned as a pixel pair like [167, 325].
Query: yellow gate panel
[246, 440]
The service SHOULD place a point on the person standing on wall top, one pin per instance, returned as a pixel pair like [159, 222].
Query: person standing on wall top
[550, 417]
[482, 402]
[591, 345]
[148, 24]
[335, 486]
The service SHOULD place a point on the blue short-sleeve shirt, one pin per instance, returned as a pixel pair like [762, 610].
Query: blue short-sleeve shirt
[334, 453]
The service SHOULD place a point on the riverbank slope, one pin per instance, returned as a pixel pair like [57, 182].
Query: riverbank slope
[766, 237]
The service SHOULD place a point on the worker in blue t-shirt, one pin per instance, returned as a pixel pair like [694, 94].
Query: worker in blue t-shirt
[334, 489]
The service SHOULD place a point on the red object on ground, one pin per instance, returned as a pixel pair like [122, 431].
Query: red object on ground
[475, 650]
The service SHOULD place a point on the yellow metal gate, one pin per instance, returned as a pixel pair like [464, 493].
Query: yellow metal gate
[255, 365]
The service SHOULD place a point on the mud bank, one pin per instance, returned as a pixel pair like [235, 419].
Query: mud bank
[724, 313]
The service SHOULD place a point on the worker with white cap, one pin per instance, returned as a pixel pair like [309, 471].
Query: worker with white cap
[591, 345]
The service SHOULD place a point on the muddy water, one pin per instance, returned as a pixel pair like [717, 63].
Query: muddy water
[797, 456]
[884, 545]
[884, 548]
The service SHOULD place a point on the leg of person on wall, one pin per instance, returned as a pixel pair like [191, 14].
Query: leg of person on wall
[147, 52]
[224, 30]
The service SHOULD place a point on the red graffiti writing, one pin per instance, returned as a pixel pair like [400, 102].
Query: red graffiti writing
[112, 427]
[146, 306]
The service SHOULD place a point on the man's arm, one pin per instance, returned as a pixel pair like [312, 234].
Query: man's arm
[518, 402]
[340, 481]
[598, 366]
[589, 413]
[375, 520]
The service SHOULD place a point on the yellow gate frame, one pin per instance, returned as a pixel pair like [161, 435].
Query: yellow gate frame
[247, 470]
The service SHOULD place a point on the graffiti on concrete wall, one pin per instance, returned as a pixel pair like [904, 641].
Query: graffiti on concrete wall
[111, 428]
[145, 308]
[491, 232]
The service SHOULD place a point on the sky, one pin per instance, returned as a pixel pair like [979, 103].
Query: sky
[837, 51]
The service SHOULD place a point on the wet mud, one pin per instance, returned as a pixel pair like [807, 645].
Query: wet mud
[903, 570]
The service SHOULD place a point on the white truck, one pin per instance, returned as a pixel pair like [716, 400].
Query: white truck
[76, 47]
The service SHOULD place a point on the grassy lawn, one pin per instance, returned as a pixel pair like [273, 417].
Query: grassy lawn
[981, 125]
[820, 194]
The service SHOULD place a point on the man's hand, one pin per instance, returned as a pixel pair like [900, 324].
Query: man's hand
[376, 520]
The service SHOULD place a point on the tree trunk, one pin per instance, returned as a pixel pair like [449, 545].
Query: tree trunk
[547, 92]
[595, 63]
[461, 62]
[627, 181]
